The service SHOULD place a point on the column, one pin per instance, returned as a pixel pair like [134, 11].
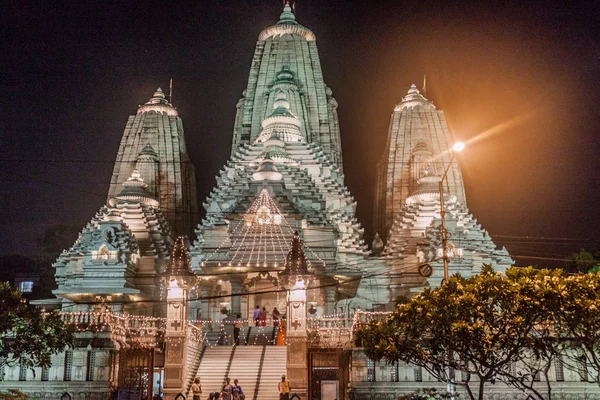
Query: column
[236, 299]
[297, 352]
[330, 300]
[175, 341]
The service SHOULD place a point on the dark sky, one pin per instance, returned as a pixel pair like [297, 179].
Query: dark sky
[528, 73]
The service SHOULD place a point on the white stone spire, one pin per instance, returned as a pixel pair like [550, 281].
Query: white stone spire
[158, 103]
[153, 143]
[414, 99]
[286, 59]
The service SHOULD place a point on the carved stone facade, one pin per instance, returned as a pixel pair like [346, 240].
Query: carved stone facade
[289, 47]
[381, 381]
[154, 144]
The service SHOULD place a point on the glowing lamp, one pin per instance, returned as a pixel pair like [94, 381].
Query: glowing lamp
[458, 147]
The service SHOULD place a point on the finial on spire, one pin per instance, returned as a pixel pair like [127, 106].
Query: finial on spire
[424, 90]
[287, 16]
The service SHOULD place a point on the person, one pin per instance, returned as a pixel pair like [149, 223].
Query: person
[196, 388]
[256, 314]
[262, 317]
[238, 393]
[284, 388]
[276, 315]
[282, 333]
[237, 325]
[214, 396]
[226, 389]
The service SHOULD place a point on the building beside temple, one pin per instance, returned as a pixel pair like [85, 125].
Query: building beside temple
[153, 311]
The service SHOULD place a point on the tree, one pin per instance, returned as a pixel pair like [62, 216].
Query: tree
[28, 336]
[584, 261]
[482, 326]
[576, 312]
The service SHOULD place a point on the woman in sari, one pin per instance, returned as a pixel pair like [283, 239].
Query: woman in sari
[262, 317]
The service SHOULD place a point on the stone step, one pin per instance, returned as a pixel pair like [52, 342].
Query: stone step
[245, 366]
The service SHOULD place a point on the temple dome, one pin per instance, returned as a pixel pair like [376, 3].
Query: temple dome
[134, 191]
[281, 124]
[287, 24]
[267, 171]
[414, 99]
[158, 103]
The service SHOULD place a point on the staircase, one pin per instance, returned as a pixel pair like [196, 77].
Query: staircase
[245, 368]
[258, 369]
[194, 357]
[273, 366]
[262, 335]
[213, 368]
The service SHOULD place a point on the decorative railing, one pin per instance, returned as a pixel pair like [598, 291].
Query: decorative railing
[125, 330]
[329, 332]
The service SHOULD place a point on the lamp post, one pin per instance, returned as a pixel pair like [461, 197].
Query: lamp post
[458, 147]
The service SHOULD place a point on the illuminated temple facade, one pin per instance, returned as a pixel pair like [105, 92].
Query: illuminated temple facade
[154, 309]
[153, 143]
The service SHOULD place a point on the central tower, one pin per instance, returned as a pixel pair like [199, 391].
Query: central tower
[290, 48]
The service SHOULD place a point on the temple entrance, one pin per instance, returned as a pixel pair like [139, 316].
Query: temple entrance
[269, 297]
[328, 372]
[136, 369]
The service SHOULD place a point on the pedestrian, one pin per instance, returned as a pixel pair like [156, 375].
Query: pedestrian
[284, 388]
[196, 388]
[238, 393]
[237, 325]
[256, 315]
[226, 390]
[276, 315]
[262, 317]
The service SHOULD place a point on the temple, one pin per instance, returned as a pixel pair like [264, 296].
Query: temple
[290, 47]
[278, 185]
[154, 144]
[417, 132]
[277, 276]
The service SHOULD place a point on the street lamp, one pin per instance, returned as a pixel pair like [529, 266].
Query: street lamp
[458, 147]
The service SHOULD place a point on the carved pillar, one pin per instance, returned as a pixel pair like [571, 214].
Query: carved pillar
[297, 363]
[330, 299]
[236, 299]
[175, 340]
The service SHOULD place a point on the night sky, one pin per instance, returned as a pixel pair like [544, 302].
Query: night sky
[521, 77]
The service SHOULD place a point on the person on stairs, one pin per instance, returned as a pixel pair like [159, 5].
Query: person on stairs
[238, 393]
[196, 388]
[226, 390]
[276, 315]
[284, 388]
[262, 317]
[256, 315]
[237, 325]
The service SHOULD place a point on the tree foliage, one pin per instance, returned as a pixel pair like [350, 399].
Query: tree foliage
[486, 324]
[585, 261]
[28, 336]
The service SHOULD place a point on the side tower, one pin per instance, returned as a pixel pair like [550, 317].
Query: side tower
[415, 126]
[289, 45]
[154, 144]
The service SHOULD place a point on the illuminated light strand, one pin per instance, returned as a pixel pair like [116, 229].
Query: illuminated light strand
[272, 232]
[219, 247]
